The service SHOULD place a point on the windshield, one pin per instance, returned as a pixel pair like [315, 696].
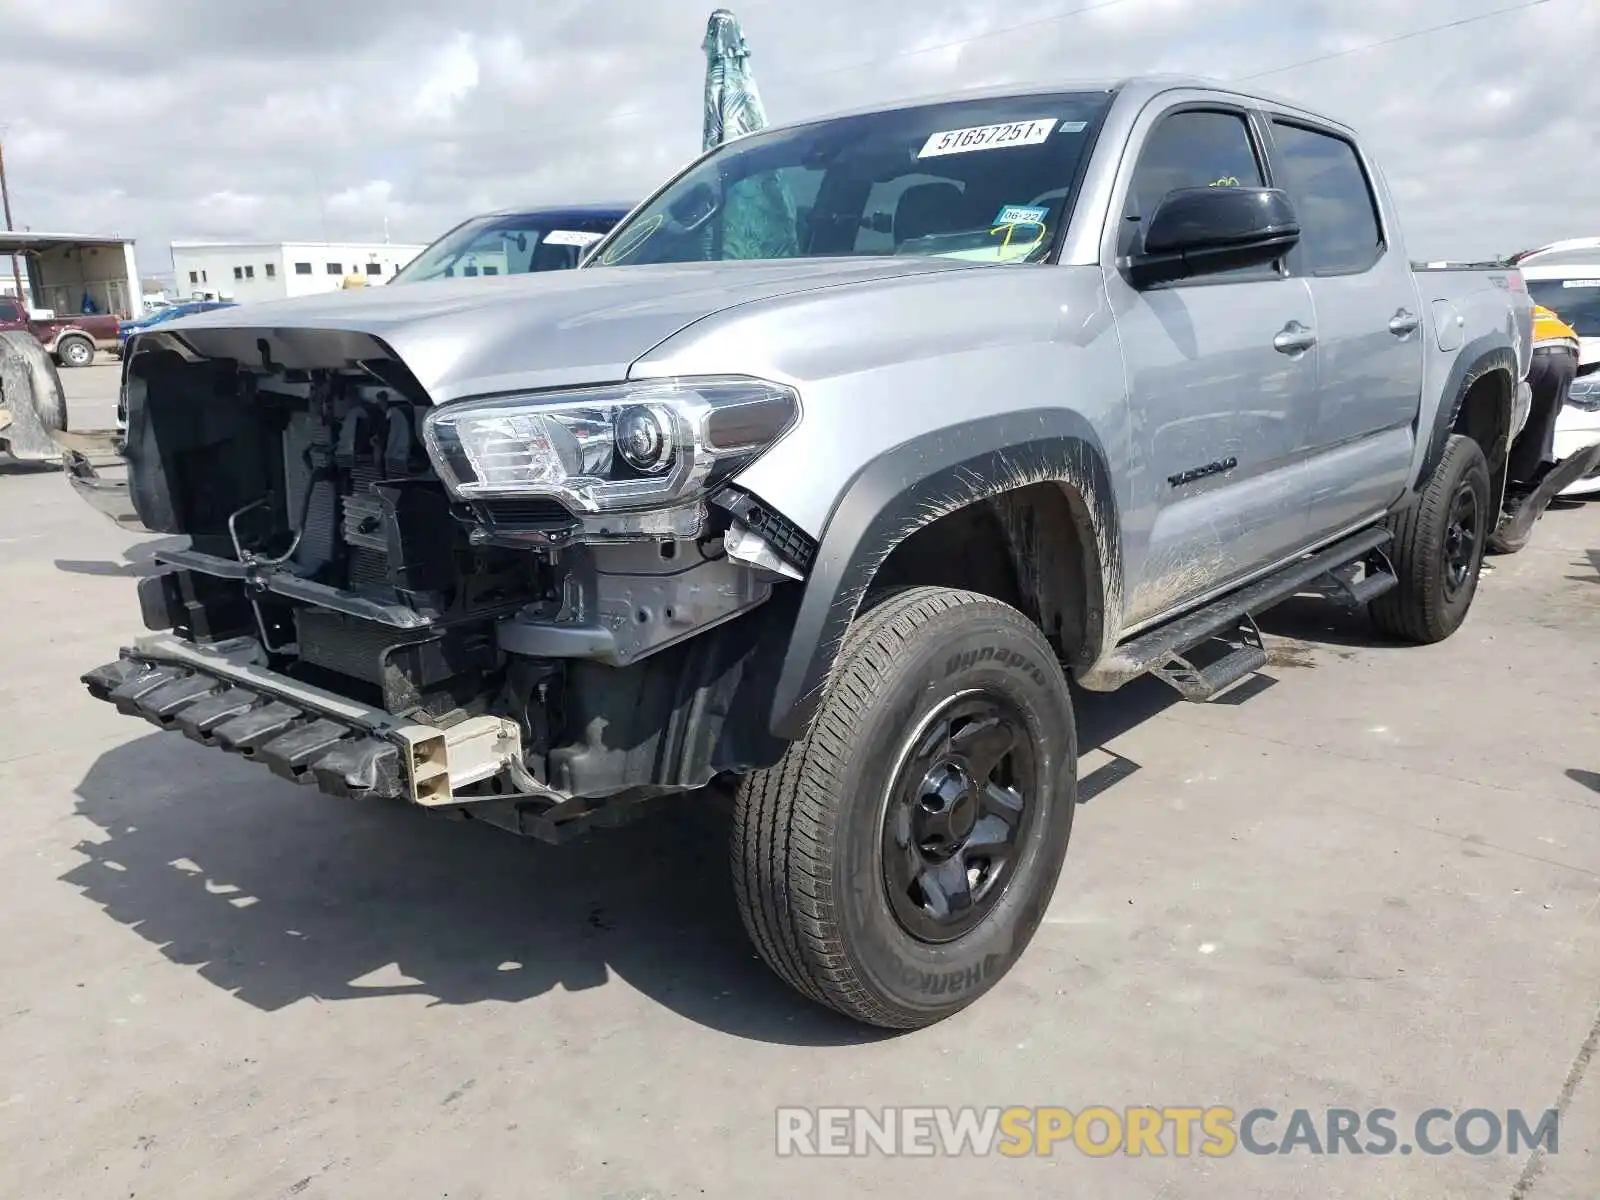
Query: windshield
[1575, 301]
[984, 180]
[513, 244]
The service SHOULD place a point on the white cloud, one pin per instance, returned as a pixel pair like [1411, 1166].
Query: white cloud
[318, 118]
[449, 79]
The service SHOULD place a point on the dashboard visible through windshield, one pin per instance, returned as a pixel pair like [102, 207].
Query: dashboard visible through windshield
[988, 180]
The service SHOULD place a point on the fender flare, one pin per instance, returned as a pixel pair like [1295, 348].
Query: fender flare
[916, 483]
[1475, 360]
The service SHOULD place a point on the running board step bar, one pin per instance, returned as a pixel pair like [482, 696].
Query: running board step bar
[1198, 684]
[1356, 585]
[1161, 650]
[302, 733]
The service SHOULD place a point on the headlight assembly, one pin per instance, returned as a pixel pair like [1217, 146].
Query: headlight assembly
[627, 448]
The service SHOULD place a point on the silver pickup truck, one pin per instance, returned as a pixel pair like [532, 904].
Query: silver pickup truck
[838, 457]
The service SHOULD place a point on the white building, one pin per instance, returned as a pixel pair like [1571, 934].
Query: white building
[245, 271]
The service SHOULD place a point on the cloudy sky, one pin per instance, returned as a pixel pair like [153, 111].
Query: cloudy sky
[319, 119]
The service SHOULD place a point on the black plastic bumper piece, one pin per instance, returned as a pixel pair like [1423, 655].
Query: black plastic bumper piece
[247, 734]
[291, 755]
[199, 719]
[302, 746]
[367, 767]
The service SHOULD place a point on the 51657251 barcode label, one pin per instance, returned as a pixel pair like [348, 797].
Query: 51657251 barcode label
[988, 137]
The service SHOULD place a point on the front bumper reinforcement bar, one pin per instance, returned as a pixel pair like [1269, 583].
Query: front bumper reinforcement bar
[225, 696]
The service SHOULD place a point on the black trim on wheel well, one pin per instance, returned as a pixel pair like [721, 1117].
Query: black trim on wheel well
[1033, 472]
[1472, 409]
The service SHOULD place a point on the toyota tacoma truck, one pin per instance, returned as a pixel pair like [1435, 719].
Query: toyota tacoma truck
[815, 485]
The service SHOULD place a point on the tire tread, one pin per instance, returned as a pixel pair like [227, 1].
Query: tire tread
[780, 844]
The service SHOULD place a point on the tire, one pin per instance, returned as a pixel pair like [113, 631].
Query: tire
[30, 388]
[930, 684]
[1439, 542]
[75, 351]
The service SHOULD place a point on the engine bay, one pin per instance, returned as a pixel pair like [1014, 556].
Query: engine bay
[318, 531]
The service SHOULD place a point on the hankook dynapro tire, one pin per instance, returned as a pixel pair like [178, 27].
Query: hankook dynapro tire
[897, 861]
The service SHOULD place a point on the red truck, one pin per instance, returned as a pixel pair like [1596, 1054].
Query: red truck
[71, 341]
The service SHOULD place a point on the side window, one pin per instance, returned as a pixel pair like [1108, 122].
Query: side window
[9, 311]
[1193, 149]
[1339, 230]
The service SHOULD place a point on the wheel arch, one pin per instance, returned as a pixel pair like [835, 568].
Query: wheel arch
[1020, 475]
[1479, 396]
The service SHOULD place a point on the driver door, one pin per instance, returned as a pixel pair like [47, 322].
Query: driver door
[1221, 386]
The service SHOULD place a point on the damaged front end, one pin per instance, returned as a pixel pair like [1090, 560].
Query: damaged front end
[536, 610]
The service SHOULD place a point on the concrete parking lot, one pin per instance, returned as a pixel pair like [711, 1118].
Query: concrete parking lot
[1371, 879]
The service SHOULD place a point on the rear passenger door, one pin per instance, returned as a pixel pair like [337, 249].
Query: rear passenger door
[1368, 325]
[1221, 382]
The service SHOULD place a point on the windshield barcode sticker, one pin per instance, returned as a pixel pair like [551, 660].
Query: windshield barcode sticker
[988, 137]
[570, 237]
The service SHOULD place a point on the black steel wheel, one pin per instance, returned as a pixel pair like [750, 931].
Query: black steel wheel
[957, 814]
[1463, 540]
[897, 861]
[1439, 541]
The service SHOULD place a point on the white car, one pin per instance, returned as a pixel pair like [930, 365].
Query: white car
[1565, 278]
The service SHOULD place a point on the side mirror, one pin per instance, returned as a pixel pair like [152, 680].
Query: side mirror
[1203, 231]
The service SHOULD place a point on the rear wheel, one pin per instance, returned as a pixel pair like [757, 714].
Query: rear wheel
[1439, 542]
[75, 351]
[897, 861]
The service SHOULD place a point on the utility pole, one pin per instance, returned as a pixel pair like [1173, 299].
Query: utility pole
[5, 199]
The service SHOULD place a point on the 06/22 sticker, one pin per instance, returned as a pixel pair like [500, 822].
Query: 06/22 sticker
[1021, 214]
[988, 137]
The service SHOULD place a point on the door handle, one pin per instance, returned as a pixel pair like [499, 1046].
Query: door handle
[1404, 323]
[1295, 339]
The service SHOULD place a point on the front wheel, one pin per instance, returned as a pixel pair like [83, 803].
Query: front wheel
[897, 861]
[1438, 549]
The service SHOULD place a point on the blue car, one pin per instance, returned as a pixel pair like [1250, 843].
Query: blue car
[514, 242]
[126, 329]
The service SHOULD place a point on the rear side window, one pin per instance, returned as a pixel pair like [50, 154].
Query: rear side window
[1339, 230]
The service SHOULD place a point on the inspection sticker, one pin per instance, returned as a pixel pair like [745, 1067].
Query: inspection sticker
[571, 237]
[1022, 214]
[988, 137]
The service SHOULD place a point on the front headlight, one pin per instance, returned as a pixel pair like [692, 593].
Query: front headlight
[625, 447]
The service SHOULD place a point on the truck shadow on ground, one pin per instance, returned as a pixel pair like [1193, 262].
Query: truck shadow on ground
[18, 466]
[277, 894]
[138, 560]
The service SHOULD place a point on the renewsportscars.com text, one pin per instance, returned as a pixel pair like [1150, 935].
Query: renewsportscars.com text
[1214, 1132]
